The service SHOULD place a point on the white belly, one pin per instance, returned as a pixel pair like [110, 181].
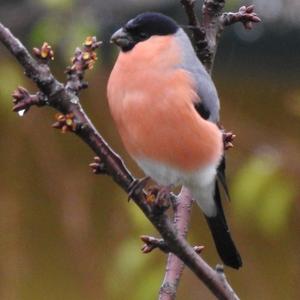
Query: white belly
[201, 182]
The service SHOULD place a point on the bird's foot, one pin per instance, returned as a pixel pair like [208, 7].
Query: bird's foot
[97, 166]
[136, 186]
[160, 196]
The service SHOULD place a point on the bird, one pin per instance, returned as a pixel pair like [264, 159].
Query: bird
[166, 110]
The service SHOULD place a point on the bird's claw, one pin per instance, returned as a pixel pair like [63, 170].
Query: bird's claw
[159, 197]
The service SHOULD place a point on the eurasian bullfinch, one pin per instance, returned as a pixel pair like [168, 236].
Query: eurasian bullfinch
[166, 107]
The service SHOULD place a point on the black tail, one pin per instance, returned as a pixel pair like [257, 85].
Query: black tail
[221, 235]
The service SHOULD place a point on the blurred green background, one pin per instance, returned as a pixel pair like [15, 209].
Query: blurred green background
[66, 234]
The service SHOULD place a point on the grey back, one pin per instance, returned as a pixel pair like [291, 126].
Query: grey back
[205, 87]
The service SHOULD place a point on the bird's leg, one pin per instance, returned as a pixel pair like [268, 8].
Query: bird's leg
[137, 185]
[160, 196]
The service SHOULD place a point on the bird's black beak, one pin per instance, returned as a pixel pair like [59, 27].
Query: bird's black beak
[121, 38]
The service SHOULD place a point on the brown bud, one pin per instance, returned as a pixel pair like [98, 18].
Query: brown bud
[198, 249]
[86, 55]
[44, 53]
[64, 122]
[88, 41]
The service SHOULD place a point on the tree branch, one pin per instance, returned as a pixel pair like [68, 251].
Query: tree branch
[194, 24]
[152, 243]
[174, 269]
[245, 15]
[66, 101]
[23, 100]
[207, 32]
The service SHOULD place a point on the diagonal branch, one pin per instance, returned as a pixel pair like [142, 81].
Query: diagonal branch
[66, 102]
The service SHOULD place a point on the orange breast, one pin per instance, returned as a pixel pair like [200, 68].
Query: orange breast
[151, 100]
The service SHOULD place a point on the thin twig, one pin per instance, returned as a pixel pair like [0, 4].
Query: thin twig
[194, 23]
[152, 243]
[205, 33]
[211, 11]
[245, 15]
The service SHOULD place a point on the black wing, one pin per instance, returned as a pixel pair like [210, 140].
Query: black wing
[202, 110]
[222, 177]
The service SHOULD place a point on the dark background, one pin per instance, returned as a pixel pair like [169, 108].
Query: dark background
[66, 234]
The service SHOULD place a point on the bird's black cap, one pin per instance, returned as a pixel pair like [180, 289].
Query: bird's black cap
[152, 23]
[142, 27]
